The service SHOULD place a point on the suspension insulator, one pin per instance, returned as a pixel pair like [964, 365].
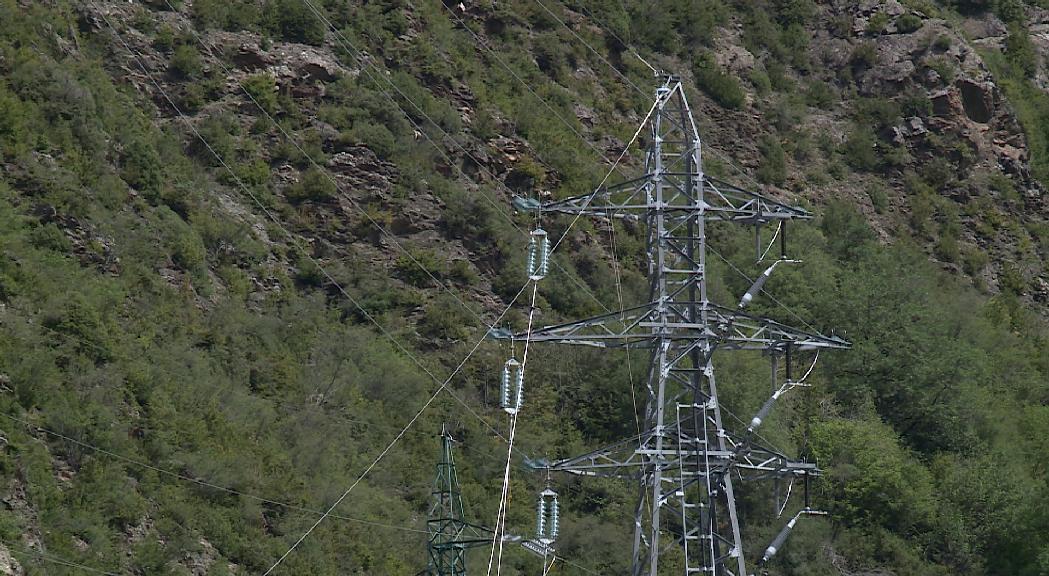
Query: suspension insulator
[512, 391]
[548, 517]
[538, 254]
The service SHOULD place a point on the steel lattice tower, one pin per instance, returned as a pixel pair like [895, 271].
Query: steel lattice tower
[450, 535]
[685, 460]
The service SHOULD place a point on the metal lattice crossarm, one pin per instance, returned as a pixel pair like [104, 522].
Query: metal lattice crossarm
[633, 328]
[630, 459]
[724, 202]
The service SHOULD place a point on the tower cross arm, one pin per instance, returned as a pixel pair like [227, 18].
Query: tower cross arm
[643, 326]
[633, 459]
[631, 199]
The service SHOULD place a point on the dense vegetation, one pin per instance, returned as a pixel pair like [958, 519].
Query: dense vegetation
[186, 380]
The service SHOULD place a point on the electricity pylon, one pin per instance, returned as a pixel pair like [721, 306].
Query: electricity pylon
[684, 460]
[450, 535]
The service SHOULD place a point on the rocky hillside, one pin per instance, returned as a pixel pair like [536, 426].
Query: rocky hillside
[244, 241]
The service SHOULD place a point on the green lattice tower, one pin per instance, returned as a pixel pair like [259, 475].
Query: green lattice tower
[450, 535]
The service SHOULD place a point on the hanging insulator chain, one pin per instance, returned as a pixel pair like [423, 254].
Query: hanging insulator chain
[538, 254]
[548, 517]
[512, 391]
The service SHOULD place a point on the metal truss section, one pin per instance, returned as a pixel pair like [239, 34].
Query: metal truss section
[450, 535]
[630, 459]
[685, 462]
[632, 328]
[724, 202]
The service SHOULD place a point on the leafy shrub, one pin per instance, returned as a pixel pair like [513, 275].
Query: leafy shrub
[947, 248]
[907, 23]
[877, 23]
[863, 56]
[263, 90]
[922, 208]
[294, 21]
[376, 137]
[874, 478]
[879, 113]
[760, 80]
[229, 15]
[943, 67]
[185, 61]
[794, 11]
[192, 98]
[50, 237]
[879, 197]
[1012, 279]
[445, 318]
[819, 94]
[915, 103]
[938, 173]
[773, 169]
[165, 38]
[723, 88]
[974, 260]
[315, 185]
[859, 149]
[1019, 50]
[142, 167]
[1010, 11]
[417, 266]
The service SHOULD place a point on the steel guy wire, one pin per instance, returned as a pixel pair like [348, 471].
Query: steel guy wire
[608, 30]
[552, 249]
[483, 44]
[572, 128]
[328, 512]
[198, 481]
[29, 552]
[339, 417]
[355, 483]
[342, 290]
[333, 181]
[716, 152]
[388, 447]
[232, 491]
[328, 175]
[504, 498]
[360, 56]
[292, 238]
[772, 297]
[443, 386]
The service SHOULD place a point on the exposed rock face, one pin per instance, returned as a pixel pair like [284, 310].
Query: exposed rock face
[8, 565]
[977, 99]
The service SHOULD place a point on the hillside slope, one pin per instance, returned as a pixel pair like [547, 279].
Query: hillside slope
[244, 243]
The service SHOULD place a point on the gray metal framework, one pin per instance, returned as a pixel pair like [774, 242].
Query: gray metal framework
[685, 461]
[450, 535]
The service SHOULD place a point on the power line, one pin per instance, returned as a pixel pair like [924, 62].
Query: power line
[552, 249]
[608, 30]
[330, 278]
[328, 175]
[365, 64]
[29, 552]
[197, 481]
[721, 155]
[528, 87]
[443, 385]
[372, 220]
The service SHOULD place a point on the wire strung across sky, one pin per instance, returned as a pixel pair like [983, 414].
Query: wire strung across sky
[330, 278]
[324, 271]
